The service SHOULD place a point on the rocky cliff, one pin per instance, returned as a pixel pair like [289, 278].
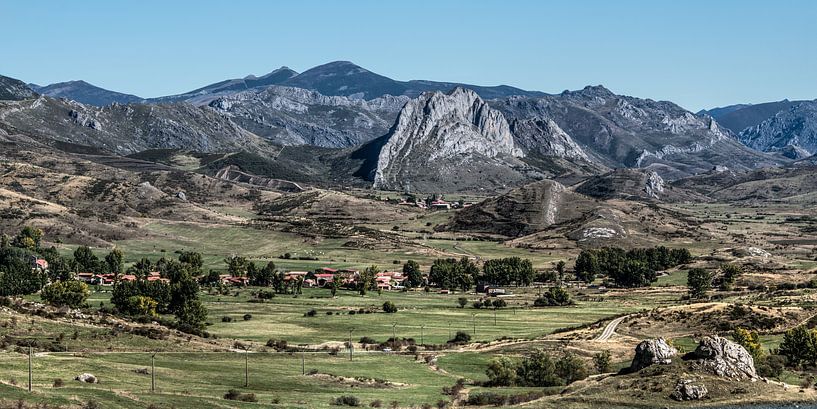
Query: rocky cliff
[453, 138]
[14, 90]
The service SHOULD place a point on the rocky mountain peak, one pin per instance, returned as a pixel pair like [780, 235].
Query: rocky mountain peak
[792, 132]
[443, 127]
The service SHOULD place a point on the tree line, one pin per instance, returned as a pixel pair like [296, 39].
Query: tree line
[628, 268]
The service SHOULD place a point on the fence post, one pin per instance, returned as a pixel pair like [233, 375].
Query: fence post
[153, 373]
[29, 368]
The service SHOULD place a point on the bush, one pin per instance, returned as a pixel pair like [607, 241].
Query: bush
[477, 304]
[247, 317]
[58, 383]
[226, 319]
[462, 301]
[461, 337]
[377, 403]
[389, 307]
[233, 394]
[602, 362]
[346, 400]
[310, 313]
[367, 340]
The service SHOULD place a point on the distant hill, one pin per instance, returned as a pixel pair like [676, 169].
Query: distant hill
[792, 132]
[739, 117]
[205, 94]
[85, 93]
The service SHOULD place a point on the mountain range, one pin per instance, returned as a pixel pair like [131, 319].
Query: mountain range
[340, 123]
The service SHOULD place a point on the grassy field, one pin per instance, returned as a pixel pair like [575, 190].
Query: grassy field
[201, 380]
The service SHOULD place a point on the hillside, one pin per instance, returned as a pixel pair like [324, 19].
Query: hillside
[739, 117]
[621, 131]
[85, 93]
[791, 131]
[14, 90]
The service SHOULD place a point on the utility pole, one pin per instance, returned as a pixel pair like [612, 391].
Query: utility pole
[494, 316]
[29, 368]
[422, 340]
[449, 329]
[153, 373]
[303, 362]
[474, 319]
[247, 367]
[393, 336]
[350, 343]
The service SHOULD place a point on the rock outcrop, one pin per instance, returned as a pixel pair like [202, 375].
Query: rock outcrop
[652, 352]
[14, 90]
[687, 389]
[544, 137]
[724, 358]
[446, 136]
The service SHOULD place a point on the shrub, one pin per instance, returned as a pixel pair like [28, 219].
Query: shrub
[346, 400]
[477, 304]
[58, 383]
[247, 317]
[367, 340]
[461, 337]
[310, 313]
[602, 362]
[389, 307]
[377, 403]
[462, 301]
[226, 319]
[555, 296]
[233, 394]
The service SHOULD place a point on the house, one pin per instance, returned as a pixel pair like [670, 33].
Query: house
[86, 278]
[128, 277]
[38, 263]
[326, 270]
[440, 205]
[234, 281]
[294, 275]
[494, 291]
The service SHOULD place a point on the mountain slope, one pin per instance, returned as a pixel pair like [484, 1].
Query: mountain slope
[621, 131]
[347, 79]
[204, 94]
[85, 93]
[746, 116]
[14, 90]
[295, 116]
[793, 132]
[450, 141]
[125, 129]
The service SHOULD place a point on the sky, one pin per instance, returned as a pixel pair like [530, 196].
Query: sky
[699, 54]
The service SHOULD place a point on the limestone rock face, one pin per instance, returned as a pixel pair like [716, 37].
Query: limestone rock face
[793, 132]
[725, 358]
[686, 389]
[87, 378]
[654, 185]
[447, 133]
[545, 137]
[651, 352]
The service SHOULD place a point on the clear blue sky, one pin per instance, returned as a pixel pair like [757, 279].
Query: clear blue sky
[696, 53]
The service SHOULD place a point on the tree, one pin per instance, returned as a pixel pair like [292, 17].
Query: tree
[633, 273]
[60, 268]
[501, 371]
[389, 307]
[16, 275]
[66, 293]
[586, 268]
[750, 341]
[142, 268]
[262, 277]
[192, 260]
[799, 346]
[461, 337]
[729, 273]
[570, 368]
[236, 265]
[334, 286]
[85, 260]
[212, 278]
[414, 277]
[699, 281]
[192, 313]
[462, 301]
[29, 238]
[602, 361]
[538, 369]
[114, 262]
[554, 296]
[366, 280]
[139, 305]
[560, 269]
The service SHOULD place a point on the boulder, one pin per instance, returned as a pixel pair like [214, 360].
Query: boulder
[87, 378]
[724, 358]
[652, 351]
[181, 196]
[686, 389]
